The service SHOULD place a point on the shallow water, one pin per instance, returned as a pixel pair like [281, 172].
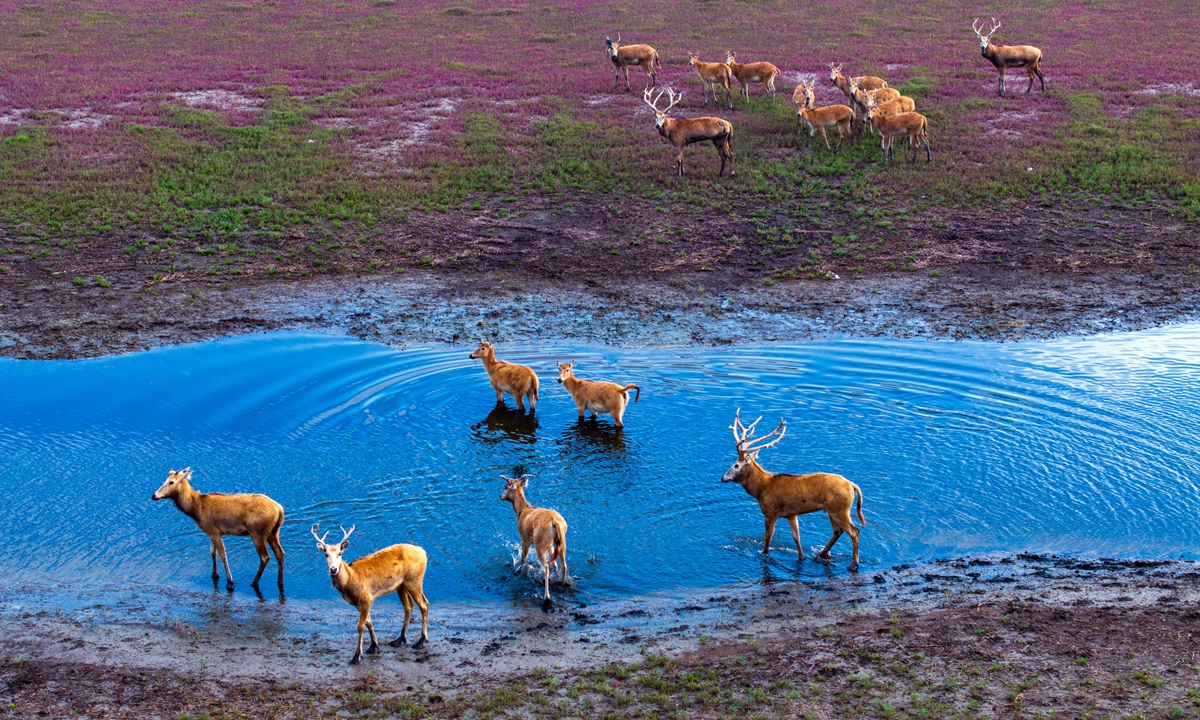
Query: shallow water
[1077, 445]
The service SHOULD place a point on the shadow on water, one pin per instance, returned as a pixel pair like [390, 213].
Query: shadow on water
[593, 434]
[507, 424]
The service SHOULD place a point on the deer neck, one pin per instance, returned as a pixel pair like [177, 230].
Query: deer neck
[756, 480]
[187, 500]
[343, 582]
[520, 505]
[489, 361]
[570, 382]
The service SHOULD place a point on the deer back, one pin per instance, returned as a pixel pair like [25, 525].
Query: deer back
[785, 494]
[634, 54]
[536, 526]
[683, 131]
[900, 105]
[1012, 55]
[762, 70]
[713, 70]
[828, 116]
[383, 571]
[241, 514]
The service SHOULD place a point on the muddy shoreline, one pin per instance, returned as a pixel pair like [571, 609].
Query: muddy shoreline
[104, 654]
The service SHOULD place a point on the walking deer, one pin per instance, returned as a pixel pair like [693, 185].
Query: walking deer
[713, 74]
[218, 514]
[399, 569]
[912, 124]
[823, 118]
[596, 396]
[682, 132]
[755, 72]
[517, 380]
[1009, 56]
[789, 496]
[542, 528]
[622, 57]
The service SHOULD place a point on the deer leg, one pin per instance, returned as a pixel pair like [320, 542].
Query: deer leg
[1000, 83]
[524, 554]
[520, 401]
[1041, 77]
[627, 88]
[795, 523]
[407, 601]
[768, 534]
[853, 539]
[1029, 72]
[260, 544]
[825, 135]
[275, 546]
[216, 577]
[219, 542]
[562, 561]
[618, 411]
[362, 622]
[616, 77]
[544, 560]
[719, 145]
[374, 649]
[423, 604]
[679, 162]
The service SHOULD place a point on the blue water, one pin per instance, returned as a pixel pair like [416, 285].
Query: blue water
[1079, 445]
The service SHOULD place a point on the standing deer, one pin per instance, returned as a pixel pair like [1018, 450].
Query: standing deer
[1009, 56]
[894, 106]
[789, 496]
[516, 380]
[883, 95]
[851, 86]
[542, 528]
[756, 72]
[713, 74]
[643, 56]
[399, 569]
[912, 124]
[823, 118]
[682, 132]
[596, 396]
[218, 514]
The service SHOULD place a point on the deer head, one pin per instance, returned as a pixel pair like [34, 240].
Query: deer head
[175, 482]
[854, 88]
[514, 488]
[984, 38]
[333, 553]
[871, 105]
[660, 117]
[730, 57]
[809, 97]
[564, 368]
[484, 348]
[612, 46]
[835, 72]
[749, 448]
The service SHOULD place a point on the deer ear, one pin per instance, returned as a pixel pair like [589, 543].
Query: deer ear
[321, 546]
[524, 483]
[344, 544]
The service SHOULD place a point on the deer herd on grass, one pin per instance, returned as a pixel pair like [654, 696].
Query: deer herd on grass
[871, 103]
[401, 568]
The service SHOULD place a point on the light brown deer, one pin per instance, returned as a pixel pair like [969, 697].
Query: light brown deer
[894, 106]
[790, 496]
[713, 74]
[755, 72]
[399, 569]
[884, 94]
[542, 528]
[1009, 56]
[682, 132]
[517, 380]
[622, 57]
[912, 124]
[596, 396]
[218, 514]
[824, 118]
[851, 86]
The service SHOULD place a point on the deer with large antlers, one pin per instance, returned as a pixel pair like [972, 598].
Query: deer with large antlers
[824, 118]
[790, 496]
[713, 74]
[623, 57]
[542, 528]
[1009, 56]
[218, 514]
[755, 72]
[912, 124]
[596, 396]
[682, 132]
[519, 381]
[399, 569]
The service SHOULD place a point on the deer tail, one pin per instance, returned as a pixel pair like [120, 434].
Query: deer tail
[636, 397]
[533, 389]
[858, 491]
[657, 62]
[555, 544]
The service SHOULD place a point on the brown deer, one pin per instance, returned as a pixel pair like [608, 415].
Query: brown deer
[517, 380]
[884, 94]
[399, 569]
[622, 57]
[851, 86]
[542, 528]
[713, 74]
[894, 106]
[1009, 56]
[823, 118]
[596, 396]
[756, 72]
[218, 514]
[682, 132]
[912, 124]
[789, 496]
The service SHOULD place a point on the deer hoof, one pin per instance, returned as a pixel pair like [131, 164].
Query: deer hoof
[547, 605]
[419, 644]
[399, 642]
[229, 586]
[373, 650]
[355, 660]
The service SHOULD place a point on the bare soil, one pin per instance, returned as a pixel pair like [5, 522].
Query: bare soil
[626, 274]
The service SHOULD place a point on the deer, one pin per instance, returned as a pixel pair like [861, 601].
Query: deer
[219, 514]
[790, 496]
[596, 396]
[542, 528]
[399, 568]
[823, 118]
[682, 132]
[519, 381]
[893, 106]
[756, 72]
[850, 86]
[884, 94]
[912, 124]
[622, 57]
[713, 74]
[1009, 56]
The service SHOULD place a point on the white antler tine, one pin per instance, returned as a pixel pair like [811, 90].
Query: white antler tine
[346, 533]
[314, 530]
[750, 428]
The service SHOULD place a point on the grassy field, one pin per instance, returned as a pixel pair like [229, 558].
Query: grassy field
[179, 130]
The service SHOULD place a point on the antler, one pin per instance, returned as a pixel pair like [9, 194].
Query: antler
[314, 530]
[517, 479]
[777, 433]
[618, 42]
[742, 433]
[990, 33]
[345, 533]
[673, 98]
